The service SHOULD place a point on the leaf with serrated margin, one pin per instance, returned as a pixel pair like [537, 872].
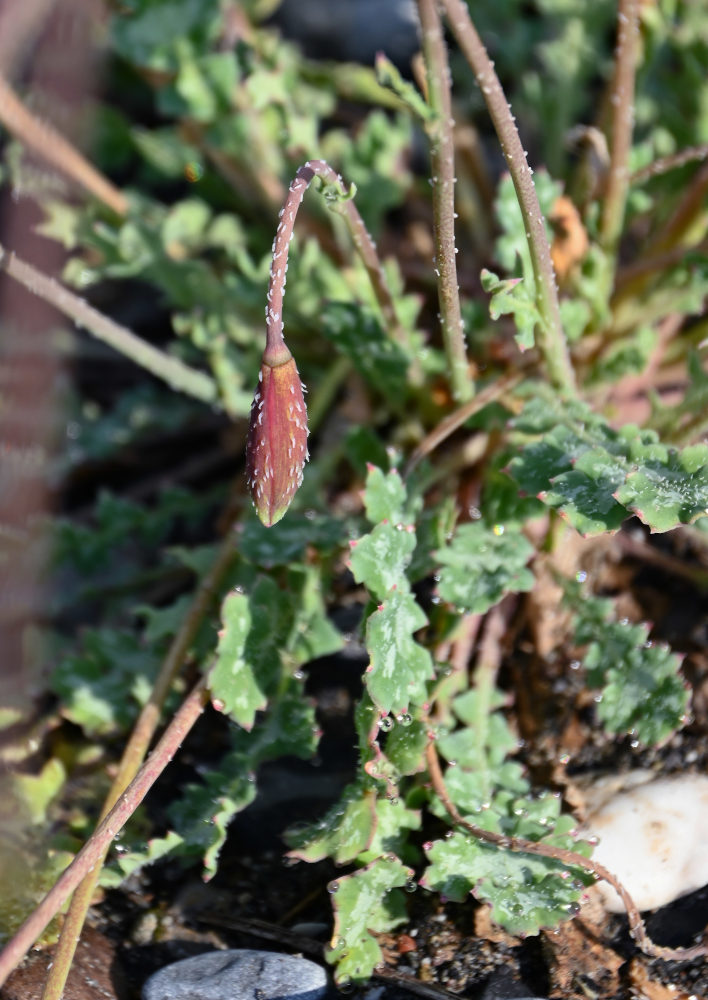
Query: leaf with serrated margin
[364, 905]
[248, 661]
[343, 833]
[595, 476]
[399, 667]
[641, 691]
[379, 559]
[526, 892]
[664, 493]
[384, 496]
[481, 564]
[511, 296]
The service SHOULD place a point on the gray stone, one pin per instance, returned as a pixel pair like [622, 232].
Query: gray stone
[239, 974]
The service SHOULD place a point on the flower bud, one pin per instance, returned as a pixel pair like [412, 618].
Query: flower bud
[277, 437]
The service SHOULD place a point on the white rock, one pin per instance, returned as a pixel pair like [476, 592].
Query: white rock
[653, 838]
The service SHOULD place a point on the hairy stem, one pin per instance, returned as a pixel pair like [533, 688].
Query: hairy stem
[93, 850]
[622, 121]
[442, 163]
[362, 241]
[171, 370]
[133, 757]
[46, 142]
[551, 338]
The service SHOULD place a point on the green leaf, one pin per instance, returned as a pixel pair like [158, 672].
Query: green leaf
[526, 892]
[384, 496]
[394, 821]
[405, 746]
[315, 635]
[104, 683]
[379, 559]
[641, 691]
[400, 667]
[511, 296]
[357, 333]
[596, 476]
[287, 541]
[481, 564]
[669, 491]
[248, 661]
[364, 905]
[346, 831]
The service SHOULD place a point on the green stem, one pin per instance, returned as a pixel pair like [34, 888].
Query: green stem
[442, 163]
[171, 370]
[551, 338]
[133, 757]
[95, 847]
[620, 144]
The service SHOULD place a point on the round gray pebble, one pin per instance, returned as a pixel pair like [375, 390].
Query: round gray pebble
[239, 974]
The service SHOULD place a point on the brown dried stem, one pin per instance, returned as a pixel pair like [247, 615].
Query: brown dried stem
[666, 163]
[442, 162]
[133, 757]
[95, 847]
[620, 139]
[46, 142]
[551, 338]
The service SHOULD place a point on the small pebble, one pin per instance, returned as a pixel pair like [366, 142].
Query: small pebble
[653, 838]
[238, 974]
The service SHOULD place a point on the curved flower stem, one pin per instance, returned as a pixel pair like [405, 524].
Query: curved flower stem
[98, 843]
[133, 757]
[666, 163]
[442, 163]
[363, 242]
[46, 142]
[620, 144]
[165, 367]
[551, 338]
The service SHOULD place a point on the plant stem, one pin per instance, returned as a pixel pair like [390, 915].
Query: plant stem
[46, 142]
[620, 140]
[551, 338]
[95, 847]
[690, 208]
[442, 163]
[666, 163]
[365, 246]
[458, 417]
[133, 757]
[171, 370]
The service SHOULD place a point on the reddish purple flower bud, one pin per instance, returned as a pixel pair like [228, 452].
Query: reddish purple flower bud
[277, 436]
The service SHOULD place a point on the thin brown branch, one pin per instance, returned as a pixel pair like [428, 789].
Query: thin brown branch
[456, 419]
[622, 122]
[551, 338]
[44, 140]
[666, 163]
[442, 162]
[95, 847]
